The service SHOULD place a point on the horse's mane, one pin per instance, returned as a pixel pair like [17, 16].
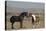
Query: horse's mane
[23, 14]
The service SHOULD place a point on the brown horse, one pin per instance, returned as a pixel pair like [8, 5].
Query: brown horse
[34, 18]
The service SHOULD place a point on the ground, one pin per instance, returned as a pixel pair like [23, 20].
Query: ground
[27, 23]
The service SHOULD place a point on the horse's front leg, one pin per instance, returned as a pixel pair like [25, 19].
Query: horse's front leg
[20, 24]
[12, 25]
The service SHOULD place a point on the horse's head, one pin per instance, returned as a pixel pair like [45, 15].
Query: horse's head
[30, 14]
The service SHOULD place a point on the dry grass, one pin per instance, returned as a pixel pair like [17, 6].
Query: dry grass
[27, 23]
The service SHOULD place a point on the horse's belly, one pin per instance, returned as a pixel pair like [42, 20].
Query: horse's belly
[16, 19]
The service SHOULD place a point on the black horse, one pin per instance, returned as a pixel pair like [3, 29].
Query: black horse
[19, 18]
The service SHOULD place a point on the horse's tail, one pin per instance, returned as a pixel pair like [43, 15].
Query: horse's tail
[12, 20]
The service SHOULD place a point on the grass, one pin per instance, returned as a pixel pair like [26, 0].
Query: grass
[27, 23]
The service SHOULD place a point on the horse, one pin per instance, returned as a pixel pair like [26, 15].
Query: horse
[34, 18]
[19, 18]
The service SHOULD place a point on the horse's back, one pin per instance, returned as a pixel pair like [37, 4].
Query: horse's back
[14, 18]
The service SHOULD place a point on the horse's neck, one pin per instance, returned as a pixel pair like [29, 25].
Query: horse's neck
[22, 15]
[34, 17]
